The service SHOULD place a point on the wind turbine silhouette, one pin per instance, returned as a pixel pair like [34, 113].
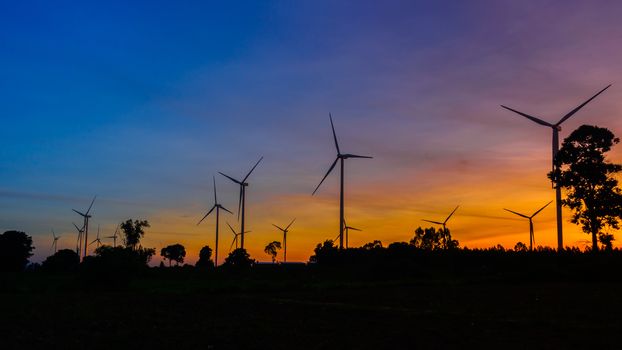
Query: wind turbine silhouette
[114, 237]
[242, 201]
[85, 227]
[347, 229]
[341, 157]
[97, 240]
[79, 240]
[216, 206]
[235, 237]
[55, 241]
[285, 230]
[556, 129]
[530, 218]
[444, 222]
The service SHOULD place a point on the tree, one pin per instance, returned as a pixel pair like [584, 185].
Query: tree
[175, 252]
[372, 245]
[239, 259]
[431, 239]
[15, 249]
[592, 191]
[520, 247]
[134, 231]
[272, 249]
[325, 253]
[64, 260]
[205, 258]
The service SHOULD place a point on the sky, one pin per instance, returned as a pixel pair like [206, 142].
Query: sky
[142, 103]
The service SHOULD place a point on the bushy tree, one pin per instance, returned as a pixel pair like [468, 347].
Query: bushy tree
[133, 231]
[372, 245]
[272, 249]
[205, 258]
[432, 239]
[174, 252]
[592, 191]
[239, 259]
[325, 253]
[520, 247]
[64, 260]
[15, 249]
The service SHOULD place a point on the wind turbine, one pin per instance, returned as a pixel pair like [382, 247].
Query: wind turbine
[79, 240]
[242, 202]
[556, 129]
[444, 222]
[216, 206]
[235, 237]
[114, 237]
[285, 230]
[530, 218]
[85, 227]
[55, 241]
[347, 229]
[97, 240]
[341, 157]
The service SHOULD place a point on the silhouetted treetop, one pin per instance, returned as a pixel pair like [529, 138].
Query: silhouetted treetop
[15, 249]
[205, 258]
[133, 231]
[433, 239]
[64, 260]
[174, 252]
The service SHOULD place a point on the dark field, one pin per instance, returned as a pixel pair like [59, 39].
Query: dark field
[274, 310]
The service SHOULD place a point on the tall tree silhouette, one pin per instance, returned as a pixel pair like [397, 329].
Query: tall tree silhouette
[15, 249]
[431, 239]
[272, 249]
[174, 252]
[205, 258]
[134, 231]
[588, 178]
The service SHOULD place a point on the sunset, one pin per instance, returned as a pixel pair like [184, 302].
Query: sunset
[145, 105]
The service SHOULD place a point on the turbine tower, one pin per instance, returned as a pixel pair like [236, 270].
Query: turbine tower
[530, 218]
[242, 201]
[444, 223]
[341, 157]
[79, 240]
[85, 227]
[285, 230]
[216, 206]
[556, 129]
[347, 229]
[55, 241]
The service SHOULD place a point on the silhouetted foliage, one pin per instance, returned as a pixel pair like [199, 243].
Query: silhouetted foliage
[588, 178]
[205, 258]
[372, 245]
[432, 239]
[325, 253]
[115, 266]
[15, 249]
[520, 247]
[64, 260]
[239, 259]
[174, 252]
[133, 232]
[272, 249]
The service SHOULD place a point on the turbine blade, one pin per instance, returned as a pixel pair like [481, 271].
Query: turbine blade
[354, 228]
[357, 156]
[230, 178]
[215, 198]
[434, 222]
[278, 227]
[209, 212]
[249, 173]
[91, 206]
[324, 178]
[536, 213]
[232, 242]
[290, 224]
[79, 213]
[240, 201]
[519, 214]
[232, 230]
[225, 209]
[334, 134]
[564, 118]
[76, 226]
[452, 213]
[539, 121]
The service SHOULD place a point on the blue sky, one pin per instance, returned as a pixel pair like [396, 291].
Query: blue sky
[142, 103]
